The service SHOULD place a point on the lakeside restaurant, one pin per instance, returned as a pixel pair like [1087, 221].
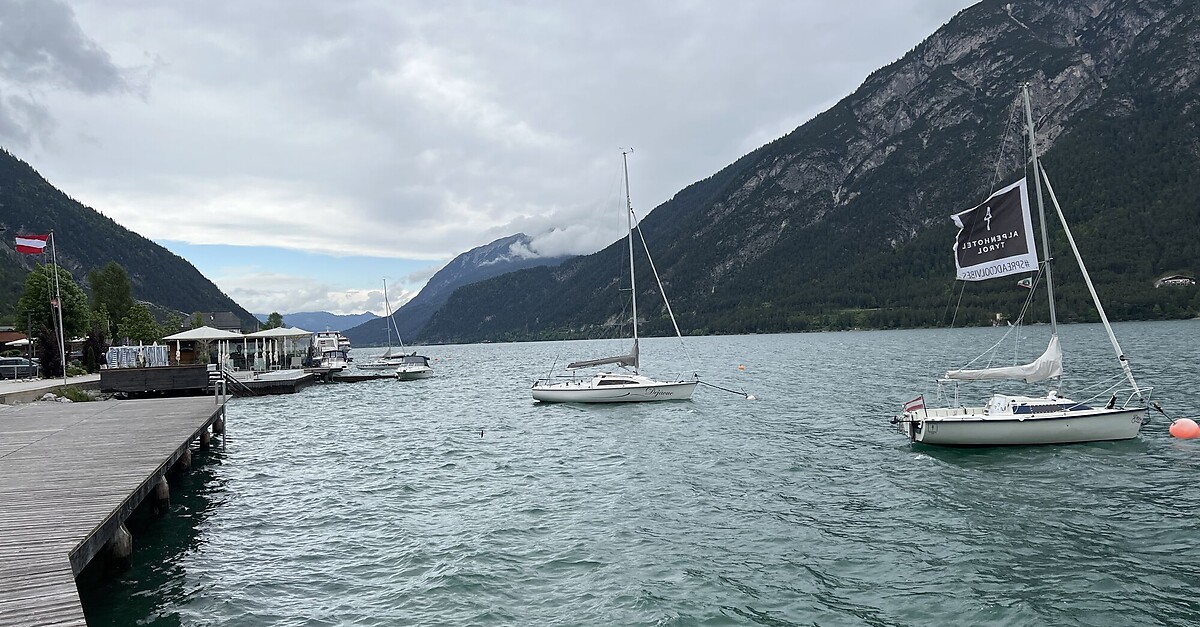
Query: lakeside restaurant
[268, 361]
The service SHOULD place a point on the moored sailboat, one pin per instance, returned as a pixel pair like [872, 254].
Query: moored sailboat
[996, 240]
[628, 384]
[388, 360]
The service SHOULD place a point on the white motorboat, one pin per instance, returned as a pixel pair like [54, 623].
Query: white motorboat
[330, 349]
[413, 366]
[995, 240]
[620, 386]
[333, 358]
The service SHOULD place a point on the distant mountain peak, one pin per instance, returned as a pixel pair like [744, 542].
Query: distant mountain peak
[501, 256]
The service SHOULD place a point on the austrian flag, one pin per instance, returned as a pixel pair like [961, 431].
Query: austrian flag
[32, 244]
[915, 404]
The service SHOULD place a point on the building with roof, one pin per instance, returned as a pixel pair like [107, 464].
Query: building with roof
[1175, 280]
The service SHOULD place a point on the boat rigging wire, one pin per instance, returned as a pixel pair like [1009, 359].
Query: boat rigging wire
[661, 289]
[746, 395]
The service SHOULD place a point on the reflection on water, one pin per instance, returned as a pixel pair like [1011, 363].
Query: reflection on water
[457, 500]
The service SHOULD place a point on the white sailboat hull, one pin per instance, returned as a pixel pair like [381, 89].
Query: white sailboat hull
[588, 391]
[970, 427]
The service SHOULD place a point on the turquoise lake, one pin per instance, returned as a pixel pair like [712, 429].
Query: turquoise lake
[457, 500]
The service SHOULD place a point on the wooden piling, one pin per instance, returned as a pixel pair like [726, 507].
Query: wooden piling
[162, 496]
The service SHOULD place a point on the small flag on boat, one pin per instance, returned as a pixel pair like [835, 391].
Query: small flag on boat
[1026, 283]
[915, 404]
[32, 244]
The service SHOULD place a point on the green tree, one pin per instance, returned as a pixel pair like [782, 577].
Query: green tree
[48, 353]
[94, 349]
[274, 321]
[173, 325]
[103, 321]
[139, 326]
[197, 320]
[36, 301]
[111, 288]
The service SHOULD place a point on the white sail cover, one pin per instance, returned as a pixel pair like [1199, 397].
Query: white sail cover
[625, 360]
[995, 239]
[1048, 366]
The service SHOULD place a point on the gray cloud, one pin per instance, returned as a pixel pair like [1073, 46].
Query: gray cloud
[425, 129]
[40, 43]
[41, 48]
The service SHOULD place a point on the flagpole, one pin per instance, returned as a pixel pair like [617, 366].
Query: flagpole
[62, 344]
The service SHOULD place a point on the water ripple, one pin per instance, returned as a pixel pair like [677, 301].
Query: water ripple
[456, 500]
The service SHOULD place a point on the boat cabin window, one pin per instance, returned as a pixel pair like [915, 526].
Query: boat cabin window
[1048, 409]
[615, 382]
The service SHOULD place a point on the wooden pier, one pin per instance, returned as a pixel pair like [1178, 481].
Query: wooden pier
[341, 377]
[70, 474]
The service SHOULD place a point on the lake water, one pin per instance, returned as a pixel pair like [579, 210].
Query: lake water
[459, 501]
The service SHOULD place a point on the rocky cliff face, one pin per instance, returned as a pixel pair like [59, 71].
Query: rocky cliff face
[955, 88]
[875, 177]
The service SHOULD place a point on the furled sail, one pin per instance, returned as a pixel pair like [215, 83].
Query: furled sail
[625, 360]
[1048, 366]
[995, 239]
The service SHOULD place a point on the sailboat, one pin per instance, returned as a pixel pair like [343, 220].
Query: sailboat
[996, 240]
[627, 384]
[406, 365]
[388, 360]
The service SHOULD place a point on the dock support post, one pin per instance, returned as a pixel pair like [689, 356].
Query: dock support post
[120, 547]
[162, 496]
[205, 440]
[218, 426]
[185, 460]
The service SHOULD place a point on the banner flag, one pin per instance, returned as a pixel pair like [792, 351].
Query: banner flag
[915, 404]
[995, 239]
[32, 244]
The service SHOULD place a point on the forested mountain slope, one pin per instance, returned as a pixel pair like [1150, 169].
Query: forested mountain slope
[86, 240]
[844, 222]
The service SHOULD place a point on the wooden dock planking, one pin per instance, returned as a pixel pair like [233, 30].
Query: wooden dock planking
[70, 474]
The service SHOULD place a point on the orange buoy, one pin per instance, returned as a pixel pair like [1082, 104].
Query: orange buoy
[1185, 428]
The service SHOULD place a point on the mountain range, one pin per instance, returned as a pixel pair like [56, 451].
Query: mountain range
[844, 222]
[841, 223]
[507, 254]
[321, 320]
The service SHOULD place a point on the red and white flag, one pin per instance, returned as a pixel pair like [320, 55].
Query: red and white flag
[32, 244]
[915, 404]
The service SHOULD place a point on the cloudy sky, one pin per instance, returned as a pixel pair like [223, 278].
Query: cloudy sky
[300, 152]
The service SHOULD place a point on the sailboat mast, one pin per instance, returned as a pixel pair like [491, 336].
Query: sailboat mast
[1037, 183]
[629, 226]
[387, 308]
